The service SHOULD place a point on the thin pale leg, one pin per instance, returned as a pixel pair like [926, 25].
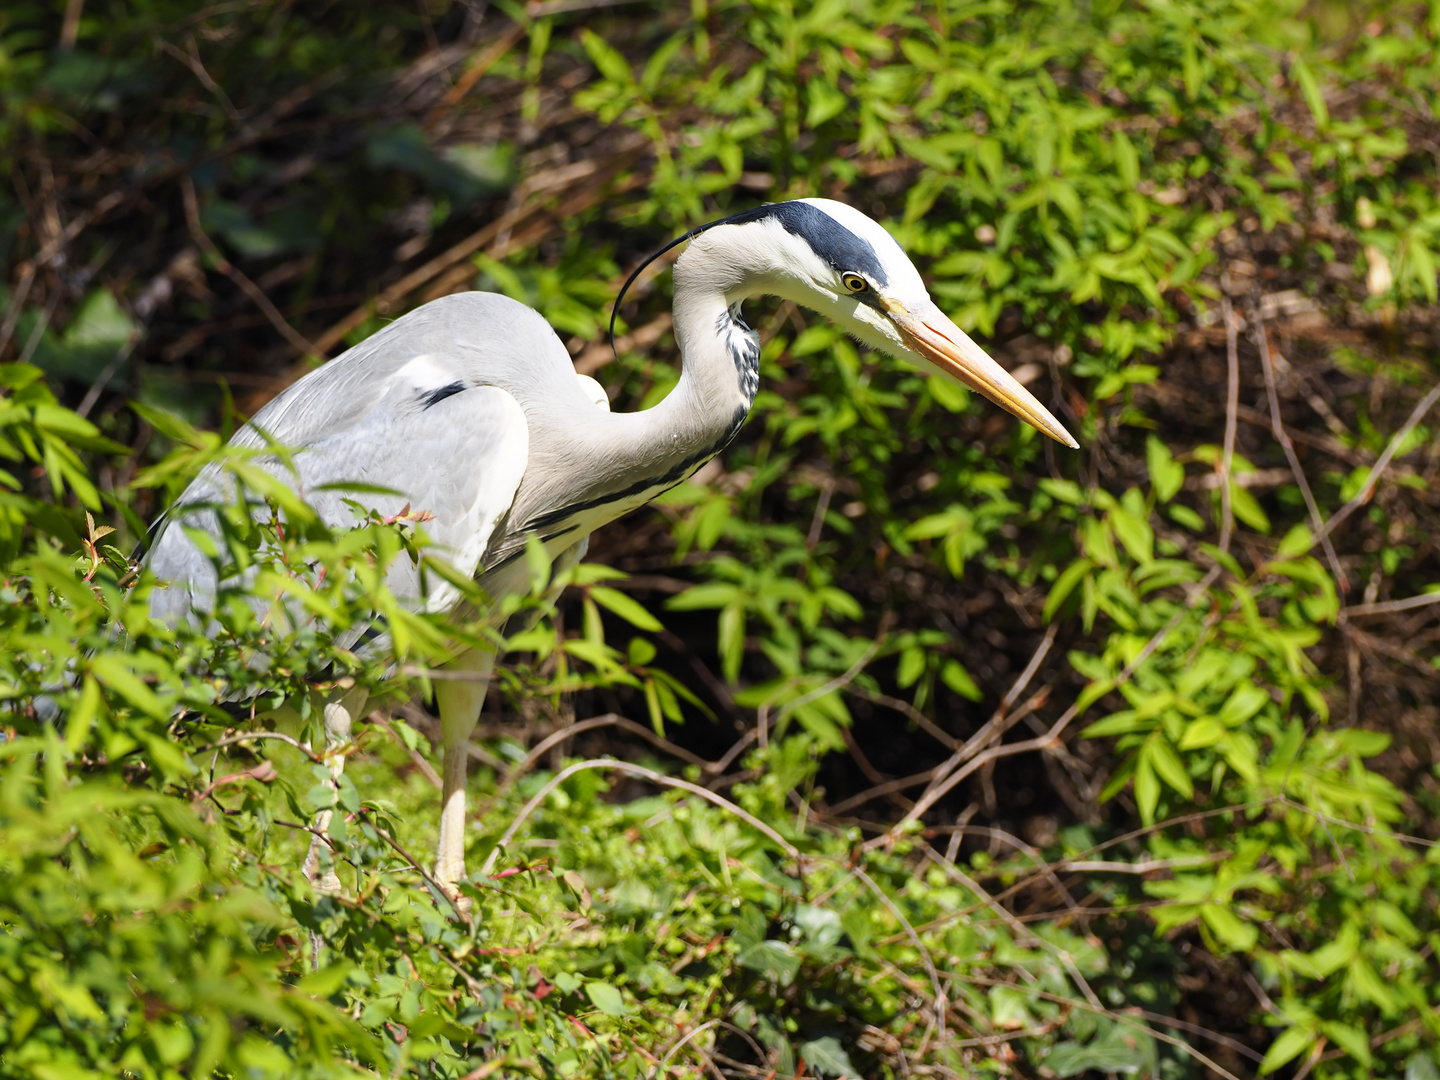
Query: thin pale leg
[340, 712]
[459, 702]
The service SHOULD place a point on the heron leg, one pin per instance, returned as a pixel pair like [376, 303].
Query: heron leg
[459, 701]
[339, 711]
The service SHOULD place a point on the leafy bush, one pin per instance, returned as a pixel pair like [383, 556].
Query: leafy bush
[1207, 230]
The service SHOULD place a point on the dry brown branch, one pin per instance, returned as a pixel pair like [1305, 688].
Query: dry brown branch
[1277, 427]
[890, 787]
[996, 726]
[923, 722]
[1390, 607]
[426, 769]
[482, 62]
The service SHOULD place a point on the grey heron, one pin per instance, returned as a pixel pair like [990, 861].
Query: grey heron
[469, 408]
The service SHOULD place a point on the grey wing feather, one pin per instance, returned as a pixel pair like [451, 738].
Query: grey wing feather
[445, 447]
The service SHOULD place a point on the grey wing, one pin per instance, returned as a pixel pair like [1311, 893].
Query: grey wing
[444, 447]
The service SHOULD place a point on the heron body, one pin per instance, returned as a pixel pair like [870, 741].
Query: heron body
[469, 408]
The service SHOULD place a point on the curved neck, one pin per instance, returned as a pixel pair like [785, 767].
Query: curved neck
[609, 463]
[719, 371]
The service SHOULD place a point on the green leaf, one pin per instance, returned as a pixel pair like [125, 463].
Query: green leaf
[611, 63]
[912, 666]
[1296, 542]
[1247, 508]
[1064, 586]
[1147, 788]
[1134, 533]
[774, 959]
[954, 675]
[827, 1057]
[1202, 732]
[1310, 89]
[1167, 765]
[826, 101]
[1229, 929]
[1167, 475]
[1352, 1040]
[731, 632]
[627, 607]
[1291, 1043]
[605, 997]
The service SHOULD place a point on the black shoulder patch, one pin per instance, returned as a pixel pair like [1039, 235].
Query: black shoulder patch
[833, 242]
[434, 397]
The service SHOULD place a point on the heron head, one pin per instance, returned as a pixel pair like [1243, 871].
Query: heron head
[835, 260]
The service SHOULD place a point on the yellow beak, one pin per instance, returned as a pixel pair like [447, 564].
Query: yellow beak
[932, 334]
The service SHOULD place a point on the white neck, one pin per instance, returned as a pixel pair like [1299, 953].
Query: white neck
[641, 454]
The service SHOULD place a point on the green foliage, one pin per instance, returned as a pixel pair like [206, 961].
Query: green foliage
[1080, 185]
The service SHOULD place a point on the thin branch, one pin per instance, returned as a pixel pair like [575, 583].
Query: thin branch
[839, 681]
[247, 736]
[1390, 607]
[479, 66]
[644, 774]
[889, 787]
[544, 746]
[1117, 1017]
[996, 726]
[1023, 932]
[941, 1002]
[102, 380]
[22, 290]
[923, 722]
[248, 287]
[426, 769]
[1277, 427]
[1378, 469]
[1232, 405]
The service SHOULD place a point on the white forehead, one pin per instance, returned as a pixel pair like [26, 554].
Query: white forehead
[904, 279]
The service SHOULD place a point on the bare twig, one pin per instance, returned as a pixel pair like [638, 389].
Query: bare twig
[544, 746]
[248, 287]
[1277, 427]
[102, 380]
[644, 774]
[426, 769]
[842, 680]
[1378, 469]
[70, 27]
[1232, 404]
[1390, 607]
[279, 736]
[191, 59]
[17, 301]
[996, 726]
[923, 722]
[941, 1002]
[889, 787]
[482, 63]
[1022, 932]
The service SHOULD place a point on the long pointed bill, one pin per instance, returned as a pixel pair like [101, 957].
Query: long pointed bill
[932, 334]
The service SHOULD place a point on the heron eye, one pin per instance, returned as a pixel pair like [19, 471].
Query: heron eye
[855, 283]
